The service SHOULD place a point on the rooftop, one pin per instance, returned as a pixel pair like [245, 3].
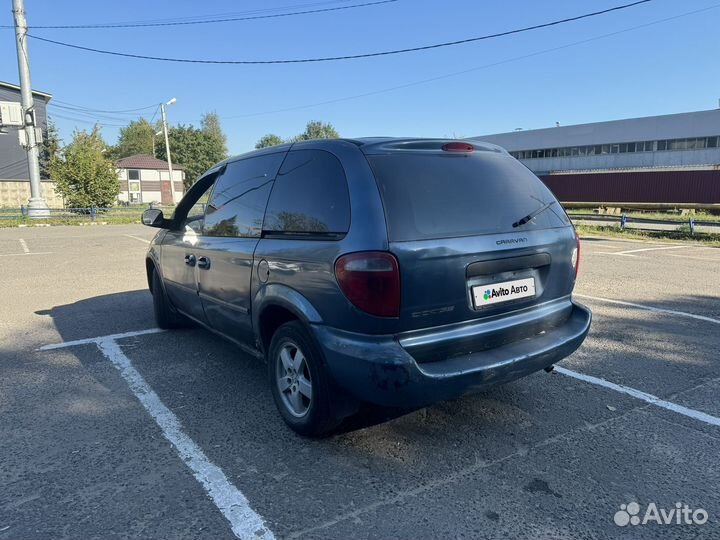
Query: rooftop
[667, 126]
[11, 86]
[144, 161]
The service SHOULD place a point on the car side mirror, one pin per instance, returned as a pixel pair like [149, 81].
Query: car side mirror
[153, 217]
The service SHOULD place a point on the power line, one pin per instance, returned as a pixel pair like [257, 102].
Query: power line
[470, 70]
[237, 13]
[452, 74]
[91, 114]
[207, 21]
[349, 57]
[85, 120]
[234, 13]
[157, 110]
[67, 105]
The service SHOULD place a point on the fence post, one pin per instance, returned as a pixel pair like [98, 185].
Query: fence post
[92, 212]
[692, 226]
[623, 220]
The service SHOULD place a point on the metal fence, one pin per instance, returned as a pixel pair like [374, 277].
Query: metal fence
[91, 213]
[624, 221]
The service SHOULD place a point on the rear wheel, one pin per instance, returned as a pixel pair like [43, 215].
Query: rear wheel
[299, 382]
[166, 316]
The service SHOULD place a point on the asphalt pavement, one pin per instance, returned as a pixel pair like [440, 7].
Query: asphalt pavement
[174, 434]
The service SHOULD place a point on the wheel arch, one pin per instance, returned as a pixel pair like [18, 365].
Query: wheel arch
[276, 304]
[150, 267]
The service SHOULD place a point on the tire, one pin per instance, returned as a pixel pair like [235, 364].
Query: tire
[292, 378]
[165, 315]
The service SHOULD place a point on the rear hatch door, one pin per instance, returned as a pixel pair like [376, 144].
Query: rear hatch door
[455, 224]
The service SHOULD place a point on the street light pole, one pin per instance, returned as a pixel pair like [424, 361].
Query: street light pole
[167, 146]
[37, 207]
[157, 134]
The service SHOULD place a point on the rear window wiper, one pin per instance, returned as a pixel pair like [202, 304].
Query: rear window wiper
[531, 215]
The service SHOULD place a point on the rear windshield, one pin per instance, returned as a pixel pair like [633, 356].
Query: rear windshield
[436, 195]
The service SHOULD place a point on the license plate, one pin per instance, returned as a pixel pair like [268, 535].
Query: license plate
[495, 293]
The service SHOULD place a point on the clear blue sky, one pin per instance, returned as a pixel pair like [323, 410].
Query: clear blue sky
[665, 68]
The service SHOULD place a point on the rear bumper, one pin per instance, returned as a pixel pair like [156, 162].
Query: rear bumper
[379, 370]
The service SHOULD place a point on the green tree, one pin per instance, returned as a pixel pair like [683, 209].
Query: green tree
[136, 138]
[210, 124]
[193, 148]
[318, 130]
[50, 148]
[269, 140]
[83, 174]
[314, 129]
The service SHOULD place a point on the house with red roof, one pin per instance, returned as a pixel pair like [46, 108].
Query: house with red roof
[145, 179]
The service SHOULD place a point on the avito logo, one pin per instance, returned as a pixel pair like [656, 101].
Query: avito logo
[504, 291]
[682, 514]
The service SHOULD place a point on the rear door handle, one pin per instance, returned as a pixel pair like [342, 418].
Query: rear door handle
[190, 260]
[203, 262]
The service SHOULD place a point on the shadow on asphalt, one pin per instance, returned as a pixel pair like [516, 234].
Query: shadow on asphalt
[624, 345]
[103, 315]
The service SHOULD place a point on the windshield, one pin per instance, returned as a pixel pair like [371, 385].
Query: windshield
[445, 195]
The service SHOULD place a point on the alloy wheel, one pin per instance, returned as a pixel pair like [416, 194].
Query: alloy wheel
[293, 379]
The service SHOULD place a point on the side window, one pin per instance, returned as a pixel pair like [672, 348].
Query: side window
[194, 218]
[310, 196]
[237, 204]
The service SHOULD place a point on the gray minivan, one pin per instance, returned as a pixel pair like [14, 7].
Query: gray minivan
[398, 272]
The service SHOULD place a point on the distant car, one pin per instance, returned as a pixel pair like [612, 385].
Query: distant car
[393, 271]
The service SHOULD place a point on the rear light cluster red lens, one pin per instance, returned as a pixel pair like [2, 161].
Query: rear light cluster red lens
[371, 281]
[575, 258]
[458, 147]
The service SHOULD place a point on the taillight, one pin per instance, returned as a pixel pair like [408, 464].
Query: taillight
[371, 281]
[458, 147]
[575, 257]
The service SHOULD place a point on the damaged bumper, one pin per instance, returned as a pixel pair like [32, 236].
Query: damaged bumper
[378, 369]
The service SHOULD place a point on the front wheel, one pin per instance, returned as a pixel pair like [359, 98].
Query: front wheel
[166, 317]
[299, 382]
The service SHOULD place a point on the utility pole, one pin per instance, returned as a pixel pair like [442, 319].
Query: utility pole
[37, 207]
[167, 147]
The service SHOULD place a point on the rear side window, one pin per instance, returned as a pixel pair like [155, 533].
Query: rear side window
[310, 196]
[433, 195]
[238, 202]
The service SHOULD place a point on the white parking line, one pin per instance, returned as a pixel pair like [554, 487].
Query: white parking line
[244, 521]
[85, 341]
[692, 258]
[649, 249]
[26, 254]
[590, 245]
[616, 253]
[649, 398]
[650, 308]
[138, 238]
[24, 245]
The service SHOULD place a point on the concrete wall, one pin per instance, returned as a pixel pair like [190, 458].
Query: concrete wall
[15, 193]
[150, 184]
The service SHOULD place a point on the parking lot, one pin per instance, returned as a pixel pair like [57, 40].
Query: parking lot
[174, 434]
